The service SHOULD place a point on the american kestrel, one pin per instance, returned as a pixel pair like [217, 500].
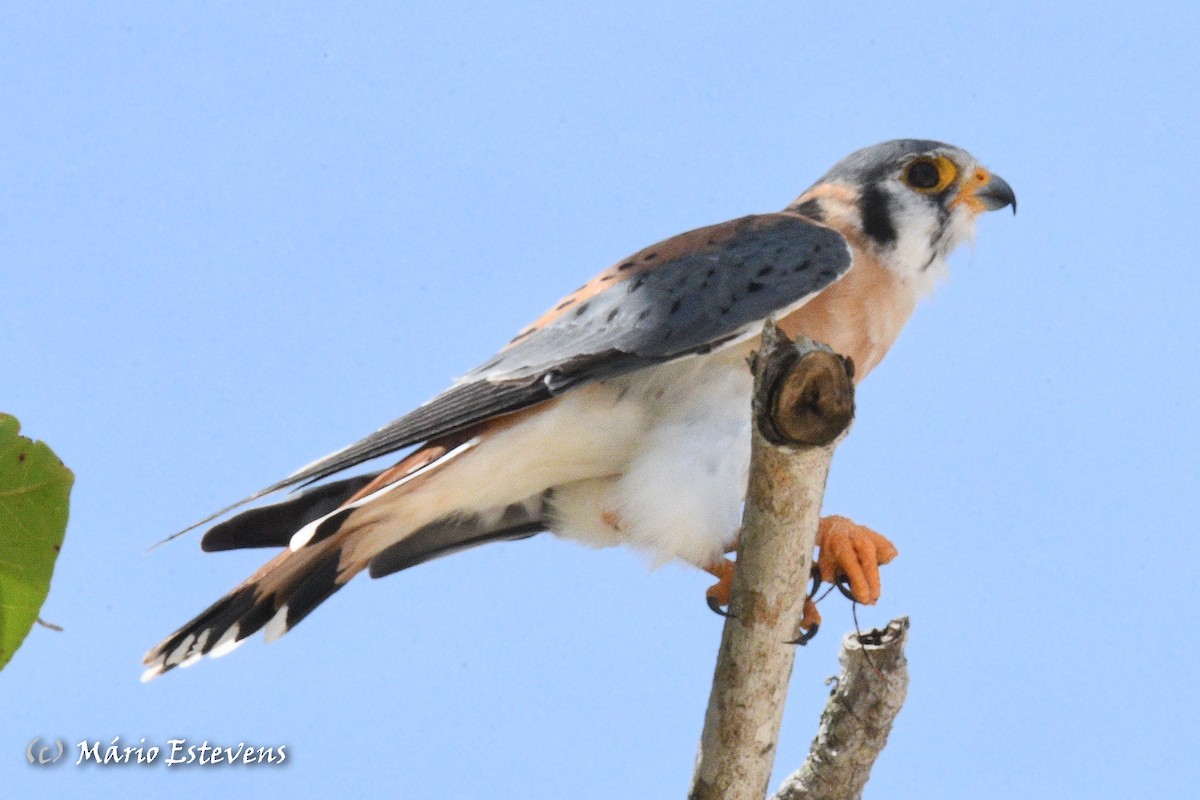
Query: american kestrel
[622, 415]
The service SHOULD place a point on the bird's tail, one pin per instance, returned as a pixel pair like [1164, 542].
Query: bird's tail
[288, 587]
[275, 598]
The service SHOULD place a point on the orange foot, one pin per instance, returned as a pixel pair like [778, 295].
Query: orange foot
[848, 552]
[852, 552]
[718, 599]
[718, 594]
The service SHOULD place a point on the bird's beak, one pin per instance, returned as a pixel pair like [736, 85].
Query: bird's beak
[986, 192]
[996, 194]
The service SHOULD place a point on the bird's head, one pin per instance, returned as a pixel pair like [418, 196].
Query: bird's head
[909, 202]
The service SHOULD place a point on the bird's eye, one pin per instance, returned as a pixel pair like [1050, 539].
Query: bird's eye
[929, 175]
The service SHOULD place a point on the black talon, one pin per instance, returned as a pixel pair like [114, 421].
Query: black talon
[716, 607]
[816, 580]
[843, 585]
[807, 636]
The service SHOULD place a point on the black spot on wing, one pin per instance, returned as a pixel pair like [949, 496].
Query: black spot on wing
[520, 335]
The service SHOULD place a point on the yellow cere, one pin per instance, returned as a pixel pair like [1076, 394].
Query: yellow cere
[966, 194]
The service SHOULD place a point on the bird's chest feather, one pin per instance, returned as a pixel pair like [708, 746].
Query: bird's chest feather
[859, 316]
[680, 492]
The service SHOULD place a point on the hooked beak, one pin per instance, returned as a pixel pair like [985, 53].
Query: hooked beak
[995, 194]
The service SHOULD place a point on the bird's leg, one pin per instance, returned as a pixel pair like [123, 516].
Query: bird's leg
[722, 569]
[718, 598]
[810, 618]
[848, 552]
[718, 594]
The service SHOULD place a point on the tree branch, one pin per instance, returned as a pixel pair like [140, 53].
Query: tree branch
[858, 718]
[803, 402]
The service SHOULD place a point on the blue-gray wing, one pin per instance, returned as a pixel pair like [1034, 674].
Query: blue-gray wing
[689, 294]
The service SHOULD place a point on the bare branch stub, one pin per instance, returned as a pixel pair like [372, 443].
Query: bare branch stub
[810, 397]
[803, 402]
[858, 718]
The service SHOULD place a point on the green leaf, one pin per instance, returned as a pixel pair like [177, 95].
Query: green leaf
[34, 489]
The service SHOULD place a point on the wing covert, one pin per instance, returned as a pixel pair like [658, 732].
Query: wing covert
[688, 294]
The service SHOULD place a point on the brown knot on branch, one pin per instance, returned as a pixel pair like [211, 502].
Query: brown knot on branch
[803, 402]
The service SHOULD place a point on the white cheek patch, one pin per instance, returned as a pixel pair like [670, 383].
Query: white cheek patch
[923, 239]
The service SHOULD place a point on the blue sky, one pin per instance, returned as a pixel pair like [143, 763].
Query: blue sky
[238, 236]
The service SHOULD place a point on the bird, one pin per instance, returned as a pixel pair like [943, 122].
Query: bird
[621, 415]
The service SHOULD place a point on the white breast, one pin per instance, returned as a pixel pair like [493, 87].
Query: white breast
[680, 494]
